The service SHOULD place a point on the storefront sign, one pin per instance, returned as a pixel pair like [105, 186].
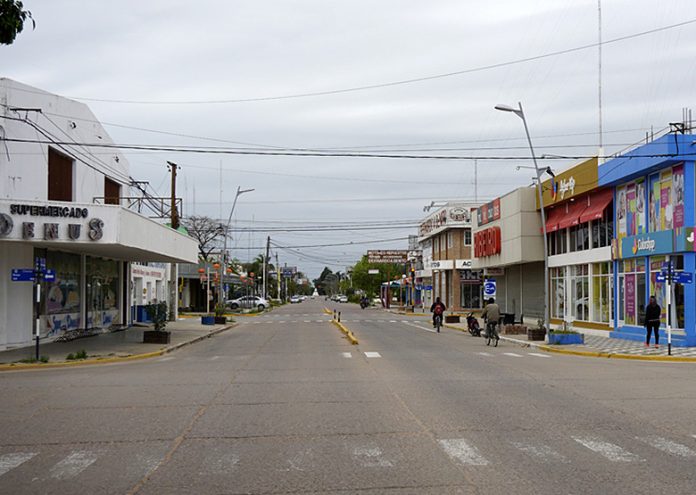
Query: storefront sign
[442, 264]
[495, 272]
[452, 216]
[487, 242]
[649, 244]
[489, 212]
[561, 187]
[462, 264]
[387, 256]
[570, 183]
[50, 231]
[470, 276]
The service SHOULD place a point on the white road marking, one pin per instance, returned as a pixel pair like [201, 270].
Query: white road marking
[512, 354]
[307, 321]
[392, 321]
[346, 354]
[11, 461]
[668, 446]
[224, 463]
[282, 321]
[542, 453]
[319, 321]
[538, 355]
[484, 354]
[609, 450]
[372, 354]
[73, 465]
[370, 457]
[213, 358]
[460, 450]
[165, 359]
[420, 327]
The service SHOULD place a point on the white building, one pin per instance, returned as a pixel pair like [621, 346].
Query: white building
[61, 202]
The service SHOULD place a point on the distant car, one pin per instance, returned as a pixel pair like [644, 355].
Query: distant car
[343, 299]
[248, 302]
[295, 299]
[304, 298]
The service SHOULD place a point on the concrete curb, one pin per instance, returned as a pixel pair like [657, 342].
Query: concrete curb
[598, 354]
[328, 311]
[349, 334]
[108, 360]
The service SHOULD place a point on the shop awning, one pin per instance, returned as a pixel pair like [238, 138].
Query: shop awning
[575, 210]
[598, 203]
[553, 216]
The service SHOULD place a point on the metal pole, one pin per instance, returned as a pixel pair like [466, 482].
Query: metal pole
[224, 249]
[669, 306]
[543, 221]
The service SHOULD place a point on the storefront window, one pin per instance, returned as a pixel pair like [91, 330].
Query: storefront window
[580, 286]
[634, 291]
[102, 292]
[557, 242]
[659, 290]
[666, 199]
[61, 303]
[601, 289]
[603, 229]
[579, 237]
[558, 293]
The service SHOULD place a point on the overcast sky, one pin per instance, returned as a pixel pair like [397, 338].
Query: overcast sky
[193, 52]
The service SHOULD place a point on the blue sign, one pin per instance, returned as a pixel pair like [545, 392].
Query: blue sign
[49, 275]
[648, 244]
[489, 287]
[427, 287]
[684, 278]
[667, 265]
[661, 277]
[40, 264]
[22, 274]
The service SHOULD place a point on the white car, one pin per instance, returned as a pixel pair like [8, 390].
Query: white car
[295, 299]
[248, 302]
[342, 299]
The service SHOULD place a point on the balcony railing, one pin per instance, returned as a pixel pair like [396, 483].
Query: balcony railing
[151, 207]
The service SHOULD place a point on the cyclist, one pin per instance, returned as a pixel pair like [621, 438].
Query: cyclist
[437, 309]
[491, 314]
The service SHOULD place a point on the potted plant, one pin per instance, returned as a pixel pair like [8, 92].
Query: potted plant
[157, 313]
[220, 318]
[538, 332]
[208, 319]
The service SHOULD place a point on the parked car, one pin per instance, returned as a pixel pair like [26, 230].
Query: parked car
[342, 298]
[248, 302]
[295, 299]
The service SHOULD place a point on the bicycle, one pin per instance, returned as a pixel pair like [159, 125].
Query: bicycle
[438, 322]
[492, 332]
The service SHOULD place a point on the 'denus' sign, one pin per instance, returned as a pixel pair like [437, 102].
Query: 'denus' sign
[487, 242]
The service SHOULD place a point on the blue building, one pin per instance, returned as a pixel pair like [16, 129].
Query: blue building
[653, 225]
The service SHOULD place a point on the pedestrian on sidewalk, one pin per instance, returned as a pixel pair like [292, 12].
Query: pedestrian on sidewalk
[652, 321]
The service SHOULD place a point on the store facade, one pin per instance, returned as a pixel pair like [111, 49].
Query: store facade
[654, 217]
[509, 251]
[579, 226]
[61, 207]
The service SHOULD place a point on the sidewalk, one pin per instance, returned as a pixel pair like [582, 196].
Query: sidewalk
[597, 346]
[111, 347]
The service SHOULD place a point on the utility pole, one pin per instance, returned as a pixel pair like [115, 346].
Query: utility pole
[278, 276]
[265, 265]
[174, 214]
[173, 267]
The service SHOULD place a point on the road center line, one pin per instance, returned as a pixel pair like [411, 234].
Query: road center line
[512, 354]
[373, 354]
[538, 355]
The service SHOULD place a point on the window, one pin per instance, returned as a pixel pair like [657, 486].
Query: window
[558, 293]
[467, 237]
[579, 237]
[579, 284]
[601, 292]
[633, 307]
[659, 289]
[60, 176]
[558, 243]
[112, 192]
[450, 239]
[603, 229]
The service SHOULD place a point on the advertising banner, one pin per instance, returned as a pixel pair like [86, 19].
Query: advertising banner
[648, 244]
[631, 209]
[630, 288]
[387, 256]
[621, 211]
[678, 195]
[666, 209]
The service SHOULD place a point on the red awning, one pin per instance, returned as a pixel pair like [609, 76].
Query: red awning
[575, 209]
[553, 216]
[598, 203]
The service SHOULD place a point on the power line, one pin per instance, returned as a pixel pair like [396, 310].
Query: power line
[392, 83]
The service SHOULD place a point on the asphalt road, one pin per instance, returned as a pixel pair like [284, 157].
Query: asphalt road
[284, 404]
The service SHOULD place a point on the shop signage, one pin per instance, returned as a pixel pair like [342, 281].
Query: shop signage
[495, 272]
[373, 271]
[452, 216]
[462, 264]
[489, 288]
[649, 244]
[470, 276]
[387, 256]
[488, 213]
[487, 242]
[51, 231]
[442, 264]
[570, 183]
[560, 188]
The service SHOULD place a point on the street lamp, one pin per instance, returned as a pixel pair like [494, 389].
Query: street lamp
[520, 113]
[240, 191]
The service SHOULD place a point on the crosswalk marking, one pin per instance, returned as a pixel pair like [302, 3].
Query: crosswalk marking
[487, 354]
[346, 354]
[542, 453]
[609, 450]
[512, 354]
[370, 457]
[668, 446]
[214, 358]
[538, 355]
[73, 465]
[460, 450]
[373, 354]
[11, 461]
[392, 321]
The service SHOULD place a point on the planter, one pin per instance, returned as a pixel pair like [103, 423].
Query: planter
[515, 329]
[566, 338]
[207, 320]
[156, 337]
[536, 334]
[220, 320]
[452, 319]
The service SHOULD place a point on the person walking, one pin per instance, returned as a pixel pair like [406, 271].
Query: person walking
[652, 321]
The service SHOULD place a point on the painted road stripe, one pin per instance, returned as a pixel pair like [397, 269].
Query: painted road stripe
[370, 457]
[214, 358]
[346, 354]
[458, 449]
[420, 327]
[282, 321]
[668, 446]
[541, 453]
[512, 354]
[11, 461]
[372, 354]
[538, 355]
[609, 450]
[307, 321]
[484, 354]
[165, 359]
[73, 465]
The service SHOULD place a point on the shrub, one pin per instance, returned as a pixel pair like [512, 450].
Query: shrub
[157, 312]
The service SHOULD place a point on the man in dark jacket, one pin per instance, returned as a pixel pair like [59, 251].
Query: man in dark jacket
[438, 310]
[652, 321]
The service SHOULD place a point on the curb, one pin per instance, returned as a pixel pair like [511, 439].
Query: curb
[328, 311]
[348, 333]
[596, 354]
[109, 360]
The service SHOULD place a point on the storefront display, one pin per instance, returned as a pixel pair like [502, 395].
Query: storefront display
[61, 301]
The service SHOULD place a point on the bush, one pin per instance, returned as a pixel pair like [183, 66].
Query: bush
[78, 355]
[157, 312]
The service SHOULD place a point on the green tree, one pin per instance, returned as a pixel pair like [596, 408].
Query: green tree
[12, 19]
[363, 280]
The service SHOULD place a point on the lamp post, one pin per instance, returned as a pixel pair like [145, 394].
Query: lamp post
[240, 191]
[520, 113]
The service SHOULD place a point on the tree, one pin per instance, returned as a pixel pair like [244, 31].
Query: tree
[12, 18]
[370, 283]
[206, 231]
